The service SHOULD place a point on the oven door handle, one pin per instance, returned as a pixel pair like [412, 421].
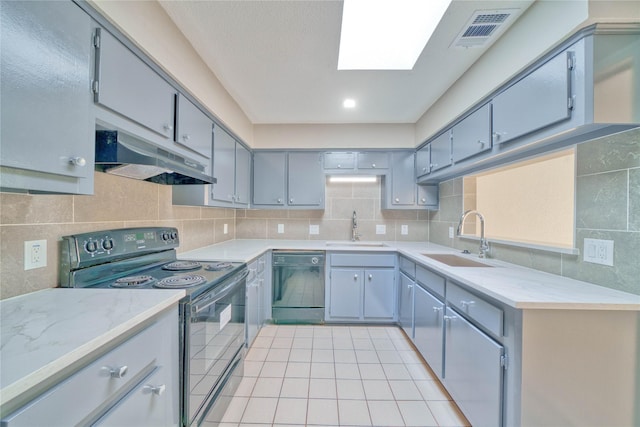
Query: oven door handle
[207, 301]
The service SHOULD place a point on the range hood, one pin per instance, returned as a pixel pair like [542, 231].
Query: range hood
[120, 154]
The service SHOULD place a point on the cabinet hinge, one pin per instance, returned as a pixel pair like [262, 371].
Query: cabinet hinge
[504, 361]
[95, 86]
[570, 103]
[571, 61]
[96, 40]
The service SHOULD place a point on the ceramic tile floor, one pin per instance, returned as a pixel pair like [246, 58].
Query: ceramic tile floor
[337, 376]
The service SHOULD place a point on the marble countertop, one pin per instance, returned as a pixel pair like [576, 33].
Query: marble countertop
[516, 286]
[45, 332]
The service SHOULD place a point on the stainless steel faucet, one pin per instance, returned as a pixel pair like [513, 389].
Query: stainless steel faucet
[484, 245]
[354, 228]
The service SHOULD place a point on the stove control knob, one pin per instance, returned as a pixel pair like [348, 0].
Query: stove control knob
[165, 236]
[107, 244]
[91, 246]
[174, 235]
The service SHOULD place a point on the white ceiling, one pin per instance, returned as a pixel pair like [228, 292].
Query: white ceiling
[278, 60]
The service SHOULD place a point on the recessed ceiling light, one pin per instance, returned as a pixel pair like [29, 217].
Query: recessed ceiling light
[353, 178]
[349, 103]
[386, 34]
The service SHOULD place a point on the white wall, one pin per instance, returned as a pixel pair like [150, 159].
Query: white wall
[334, 136]
[148, 25]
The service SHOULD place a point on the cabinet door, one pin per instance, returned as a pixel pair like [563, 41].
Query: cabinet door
[428, 196]
[403, 186]
[379, 293]
[345, 293]
[306, 179]
[538, 100]
[252, 314]
[473, 372]
[338, 160]
[243, 175]
[224, 147]
[194, 129]
[405, 304]
[130, 87]
[46, 121]
[428, 333]
[441, 152]
[472, 135]
[423, 160]
[373, 160]
[269, 170]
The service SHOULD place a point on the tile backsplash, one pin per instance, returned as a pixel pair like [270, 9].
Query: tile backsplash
[117, 203]
[607, 207]
[334, 222]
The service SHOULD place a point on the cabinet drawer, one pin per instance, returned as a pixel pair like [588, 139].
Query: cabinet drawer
[373, 160]
[485, 313]
[430, 281]
[408, 267]
[89, 388]
[337, 160]
[363, 260]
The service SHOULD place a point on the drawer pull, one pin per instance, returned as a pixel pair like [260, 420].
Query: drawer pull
[466, 304]
[155, 389]
[370, 277]
[449, 318]
[118, 372]
[437, 309]
[355, 277]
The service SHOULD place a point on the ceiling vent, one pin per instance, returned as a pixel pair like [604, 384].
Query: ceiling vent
[483, 26]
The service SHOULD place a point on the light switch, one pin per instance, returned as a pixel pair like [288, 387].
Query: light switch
[280, 228]
[404, 229]
[381, 229]
[314, 229]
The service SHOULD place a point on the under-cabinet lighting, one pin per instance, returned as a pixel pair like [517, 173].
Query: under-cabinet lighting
[352, 178]
[386, 34]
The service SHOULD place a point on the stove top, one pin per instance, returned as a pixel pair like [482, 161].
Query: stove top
[141, 258]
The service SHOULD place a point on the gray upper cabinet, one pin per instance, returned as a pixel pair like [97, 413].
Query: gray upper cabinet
[340, 160]
[423, 160]
[440, 152]
[47, 125]
[224, 166]
[538, 100]
[193, 127]
[373, 160]
[288, 179]
[242, 175]
[428, 196]
[403, 186]
[472, 135]
[306, 179]
[269, 178]
[131, 88]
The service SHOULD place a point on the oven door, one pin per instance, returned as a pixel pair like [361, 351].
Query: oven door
[213, 336]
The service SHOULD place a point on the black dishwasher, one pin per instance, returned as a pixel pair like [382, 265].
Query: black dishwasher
[298, 287]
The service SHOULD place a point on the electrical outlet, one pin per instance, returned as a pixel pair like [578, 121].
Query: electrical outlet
[451, 232]
[404, 229]
[598, 251]
[225, 229]
[280, 228]
[381, 229]
[35, 254]
[314, 229]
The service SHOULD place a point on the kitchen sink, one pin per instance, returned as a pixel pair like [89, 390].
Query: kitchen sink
[357, 244]
[456, 261]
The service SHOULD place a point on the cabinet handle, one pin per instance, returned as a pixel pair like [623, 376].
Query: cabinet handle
[339, 166]
[437, 309]
[424, 169]
[481, 142]
[423, 200]
[434, 165]
[155, 389]
[355, 277]
[291, 200]
[466, 304]
[449, 318]
[186, 137]
[118, 372]
[167, 128]
[373, 165]
[370, 277]
[397, 200]
[497, 135]
[279, 200]
[78, 161]
[409, 287]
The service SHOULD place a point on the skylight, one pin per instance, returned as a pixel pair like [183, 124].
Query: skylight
[386, 34]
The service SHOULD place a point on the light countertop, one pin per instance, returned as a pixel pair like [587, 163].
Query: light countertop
[516, 286]
[45, 332]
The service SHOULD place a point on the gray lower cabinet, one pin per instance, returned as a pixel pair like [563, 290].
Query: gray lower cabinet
[193, 128]
[428, 332]
[538, 100]
[472, 135]
[405, 304]
[128, 86]
[362, 287]
[473, 370]
[135, 383]
[288, 179]
[254, 317]
[47, 123]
